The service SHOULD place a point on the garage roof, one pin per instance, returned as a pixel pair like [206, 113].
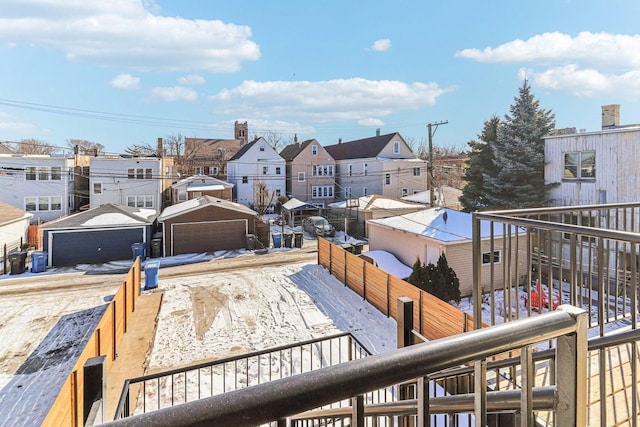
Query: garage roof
[105, 216]
[200, 202]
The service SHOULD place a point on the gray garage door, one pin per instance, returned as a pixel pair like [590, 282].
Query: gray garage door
[208, 236]
[93, 247]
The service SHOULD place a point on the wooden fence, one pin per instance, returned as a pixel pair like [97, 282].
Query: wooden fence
[67, 410]
[432, 317]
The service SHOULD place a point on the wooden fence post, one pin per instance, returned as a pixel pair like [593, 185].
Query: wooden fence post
[405, 322]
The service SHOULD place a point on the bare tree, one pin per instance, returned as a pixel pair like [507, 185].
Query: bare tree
[85, 147]
[262, 197]
[33, 146]
[275, 139]
[140, 150]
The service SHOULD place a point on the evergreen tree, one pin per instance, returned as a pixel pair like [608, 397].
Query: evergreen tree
[439, 280]
[479, 162]
[518, 152]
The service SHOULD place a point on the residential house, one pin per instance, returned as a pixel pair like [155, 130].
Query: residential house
[14, 226]
[209, 156]
[594, 167]
[200, 185]
[101, 234]
[39, 184]
[362, 209]
[258, 174]
[310, 173]
[430, 232]
[383, 164]
[206, 224]
[143, 182]
[444, 196]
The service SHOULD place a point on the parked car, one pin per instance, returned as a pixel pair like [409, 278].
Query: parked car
[318, 226]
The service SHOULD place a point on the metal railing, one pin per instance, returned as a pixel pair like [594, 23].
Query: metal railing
[289, 397]
[178, 386]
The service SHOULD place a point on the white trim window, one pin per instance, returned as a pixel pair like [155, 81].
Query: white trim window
[579, 165]
[405, 192]
[245, 179]
[265, 170]
[301, 177]
[278, 170]
[416, 171]
[56, 173]
[213, 170]
[349, 169]
[198, 170]
[347, 192]
[486, 257]
[42, 203]
[387, 179]
[144, 201]
[396, 147]
[314, 150]
[321, 191]
[96, 188]
[30, 173]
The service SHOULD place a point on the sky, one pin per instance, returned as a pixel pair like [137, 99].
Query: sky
[127, 72]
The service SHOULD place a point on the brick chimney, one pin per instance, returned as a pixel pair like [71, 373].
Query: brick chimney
[160, 148]
[610, 116]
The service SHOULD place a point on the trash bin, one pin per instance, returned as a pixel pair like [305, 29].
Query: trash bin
[38, 262]
[298, 239]
[151, 274]
[251, 242]
[277, 240]
[138, 250]
[288, 237]
[17, 260]
[156, 248]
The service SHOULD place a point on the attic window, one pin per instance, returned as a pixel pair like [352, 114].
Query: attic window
[262, 147]
[314, 150]
[396, 147]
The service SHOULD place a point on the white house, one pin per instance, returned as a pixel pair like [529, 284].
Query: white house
[14, 225]
[142, 182]
[256, 165]
[594, 167]
[383, 164]
[41, 185]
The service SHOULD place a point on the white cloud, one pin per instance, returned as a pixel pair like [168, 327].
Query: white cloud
[125, 81]
[127, 33]
[369, 121]
[344, 99]
[381, 45]
[589, 64]
[12, 125]
[191, 79]
[175, 93]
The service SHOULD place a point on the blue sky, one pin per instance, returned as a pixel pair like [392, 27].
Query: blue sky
[125, 72]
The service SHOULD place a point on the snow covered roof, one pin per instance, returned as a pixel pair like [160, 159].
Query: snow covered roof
[200, 202]
[107, 215]
[295, 204]
[373, 202]
[205, 187]
[445, 196]
[387, 262]
[443, 224]
[9, 214]
[194, 181]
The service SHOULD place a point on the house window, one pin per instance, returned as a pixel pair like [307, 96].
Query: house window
[314, 150]
[56, 203]
[350, 169]
[148, 174]
[56, 173]
[347, 192]
[182, 196]
[265, 170]
[131, 173]
[396, 147]
[364, 191]
[321, 191]
[416, 171]
[365, 169]
[30, 173]
[97, 188]
[245, 179]
[43, 203]
[580, 165]
[198, 170]
[262, 147]
[213, 170]
[43, 174]
[278, 170]
[405, 192]
[278, 192]
[330, 170]
[29, 204]
[301, 176]
[140, 201]
[487, 258]
[140, 173]
[387, 179]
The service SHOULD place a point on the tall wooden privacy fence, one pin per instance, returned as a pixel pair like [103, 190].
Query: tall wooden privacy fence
[432, 317]
[67, 410]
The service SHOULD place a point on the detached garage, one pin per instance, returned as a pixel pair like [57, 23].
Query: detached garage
[99, 235]
[206, 224]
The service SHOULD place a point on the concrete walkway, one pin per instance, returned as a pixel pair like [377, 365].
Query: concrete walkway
[135, 346]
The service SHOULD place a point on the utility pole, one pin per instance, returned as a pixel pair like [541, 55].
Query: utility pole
[430, 179]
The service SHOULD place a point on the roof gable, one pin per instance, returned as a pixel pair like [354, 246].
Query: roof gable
[292, 151]
[108, 215]
[361, 148]
[201, 202]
